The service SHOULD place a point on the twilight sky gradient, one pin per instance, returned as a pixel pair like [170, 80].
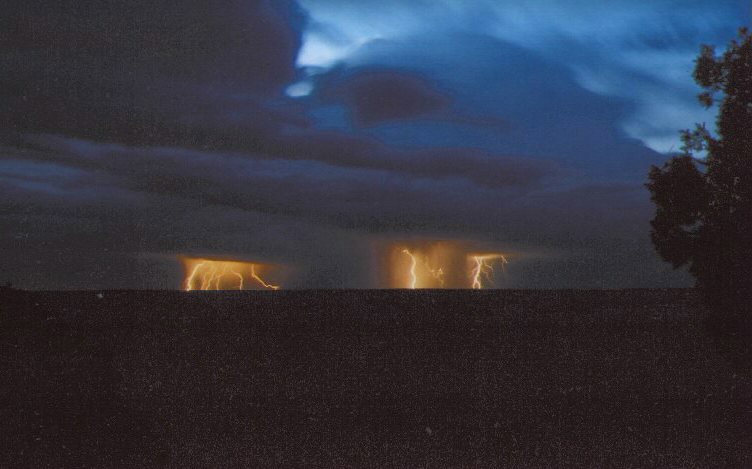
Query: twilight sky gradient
[310, 133]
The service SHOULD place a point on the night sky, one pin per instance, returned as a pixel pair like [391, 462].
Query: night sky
[311, 134]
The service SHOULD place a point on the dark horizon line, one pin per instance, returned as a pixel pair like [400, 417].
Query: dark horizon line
[314, 290]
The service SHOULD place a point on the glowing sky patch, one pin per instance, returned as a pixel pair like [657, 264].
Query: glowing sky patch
[299, 89]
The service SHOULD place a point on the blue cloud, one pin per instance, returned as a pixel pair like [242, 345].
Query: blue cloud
[638, 51]
[544, 111]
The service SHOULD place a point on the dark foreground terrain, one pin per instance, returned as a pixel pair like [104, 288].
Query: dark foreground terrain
[367, 379]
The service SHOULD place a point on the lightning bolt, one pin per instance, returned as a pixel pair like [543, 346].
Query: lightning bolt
[240, 277]
[194, 272]
[413, 264]
[417, 271]
[484, 269]
[259, 280]
[207, 279]
[211, 275]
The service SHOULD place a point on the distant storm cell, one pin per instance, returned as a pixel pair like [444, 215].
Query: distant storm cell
[208, 274]
[420, 272]
[443, 264]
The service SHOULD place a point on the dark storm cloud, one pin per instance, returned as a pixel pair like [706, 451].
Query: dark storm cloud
[478, 166]
[239, 44]
[118, 205]
[204, 78]
[133, 71]
[374, 96]
[110, 226]
[410, 190]
[548, 113]
[381, 95]
[363, 199]
[65, 227]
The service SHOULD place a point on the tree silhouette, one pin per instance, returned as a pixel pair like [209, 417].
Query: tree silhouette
[703, 216]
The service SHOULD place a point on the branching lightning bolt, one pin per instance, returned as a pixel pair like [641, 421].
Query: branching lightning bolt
[417, 271]
[194, 272]
[484, 269]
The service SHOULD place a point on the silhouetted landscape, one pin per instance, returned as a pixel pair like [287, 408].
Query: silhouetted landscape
[368, 378]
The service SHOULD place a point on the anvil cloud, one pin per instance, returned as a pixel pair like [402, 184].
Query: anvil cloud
[300, 133]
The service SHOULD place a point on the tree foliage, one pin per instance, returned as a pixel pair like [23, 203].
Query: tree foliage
[703, 216]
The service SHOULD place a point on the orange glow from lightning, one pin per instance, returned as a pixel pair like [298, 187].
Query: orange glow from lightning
[483, 268]
[417, 264]
[438, 274]
[208, 274]
[413, 264]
